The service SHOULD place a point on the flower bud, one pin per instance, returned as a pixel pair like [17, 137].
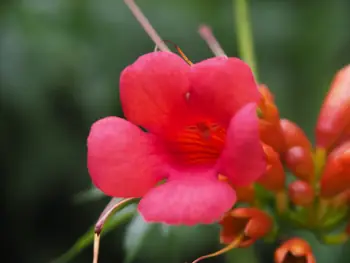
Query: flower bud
[269, 127]
[344, 137]
[294, 135]
[301, 193]
[336, 174]
[267, 105]
[274, 177]
[245, 194]
[299, 161]
[252, 223]
[294, 251]
[334, 116]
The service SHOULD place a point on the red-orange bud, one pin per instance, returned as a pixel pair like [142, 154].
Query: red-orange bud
[294, 135]
[245, 194]
[301, 193]
[274, 177]
[335, 111]
[299, 161]
[266, 93]
[269, 127]
[344, 137]
[294, 251]
[336, 174]
[267, 105]
[252, 223]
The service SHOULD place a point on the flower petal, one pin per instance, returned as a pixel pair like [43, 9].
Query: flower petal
[123, 161]
[188, 201]
[226, 84]
[242, 159]
[153, 90]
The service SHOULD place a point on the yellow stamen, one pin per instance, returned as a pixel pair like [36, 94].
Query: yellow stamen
[181, 53]
[234, 244]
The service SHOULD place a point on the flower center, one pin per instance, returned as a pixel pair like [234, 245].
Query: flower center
[201, 143]
[290, 258]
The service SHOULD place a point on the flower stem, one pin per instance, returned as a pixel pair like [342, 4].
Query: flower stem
[281, 201]
[335, 239]
[234, 244]
[244, 34]
[207, 34]
[152, 33]
[88, 237]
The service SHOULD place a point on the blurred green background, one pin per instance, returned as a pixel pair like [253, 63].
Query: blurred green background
[60, 62]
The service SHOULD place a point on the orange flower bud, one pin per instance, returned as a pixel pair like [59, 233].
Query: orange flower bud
[299, 161]
[267, 105]
[335, 111]
[336, 174]
[266, 93]
[301, 193]
[252, 223]
[269, 127]
[274, 177]
[294, 251]
[294, 135]
[344, 137]
[245, 194]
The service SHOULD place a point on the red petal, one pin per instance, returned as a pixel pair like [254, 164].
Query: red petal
[123, 161]
[188, 201]
[222, 86]
[153, 90]
[242, 160]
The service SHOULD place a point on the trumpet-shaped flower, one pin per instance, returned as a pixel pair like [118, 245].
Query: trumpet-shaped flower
[201, 122]
[294, 250]
[252, 223]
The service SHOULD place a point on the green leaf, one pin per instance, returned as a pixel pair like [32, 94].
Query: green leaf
[92, 194]
[88, 238]
[136, 234]
[145, 242]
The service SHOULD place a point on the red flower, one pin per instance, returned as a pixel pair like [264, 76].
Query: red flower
[201, 122]
[293, 251]
[248, 222]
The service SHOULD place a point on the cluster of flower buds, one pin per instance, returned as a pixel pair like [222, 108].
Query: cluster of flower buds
[317, 196]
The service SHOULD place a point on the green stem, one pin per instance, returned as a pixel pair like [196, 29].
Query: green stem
[335, 239]
[244, 34]
[242, 255]
[88, 238]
